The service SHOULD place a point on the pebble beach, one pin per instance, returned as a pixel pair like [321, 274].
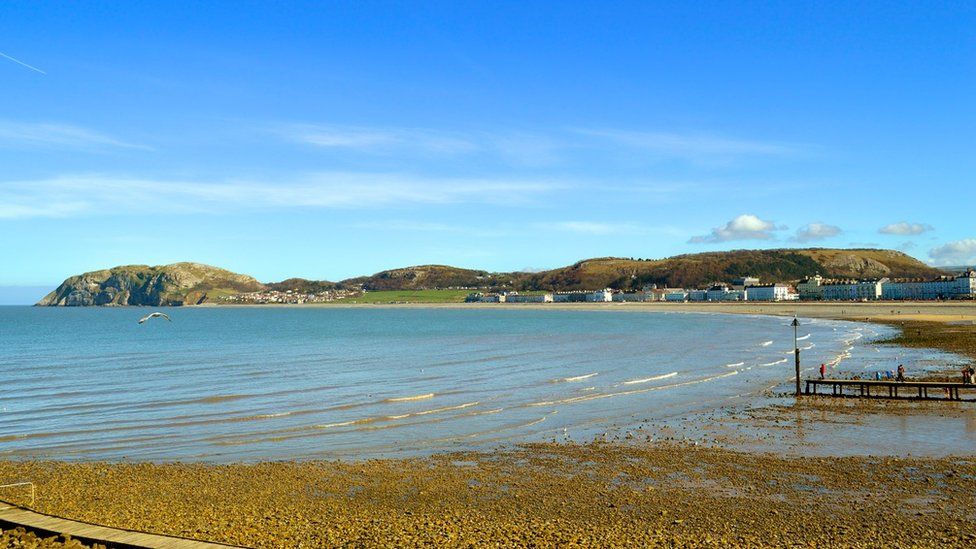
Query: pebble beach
[594, 495]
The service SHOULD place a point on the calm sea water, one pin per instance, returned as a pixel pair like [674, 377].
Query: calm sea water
[242, 384]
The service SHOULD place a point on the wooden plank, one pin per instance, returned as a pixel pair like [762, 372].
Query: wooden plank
[12, 516]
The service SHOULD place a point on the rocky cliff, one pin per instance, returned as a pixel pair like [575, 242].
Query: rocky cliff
[176, 284]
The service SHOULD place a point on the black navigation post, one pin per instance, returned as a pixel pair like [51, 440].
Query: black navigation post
[796, 353]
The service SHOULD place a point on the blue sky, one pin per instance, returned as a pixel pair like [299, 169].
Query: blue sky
[327, 141]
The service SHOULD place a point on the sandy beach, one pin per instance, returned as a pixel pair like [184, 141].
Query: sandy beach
[875, 311]
[653, 486]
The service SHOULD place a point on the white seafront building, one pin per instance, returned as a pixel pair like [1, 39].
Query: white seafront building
[721, 292]
[943, 287]
[743, 282]
[602, 296]
[676, 295]
[815, 287]
[810, 287]
[534, 298]
[697, 295]
[509, 297]
[851, 290]
[620, 297]
[771, 292]
[569, 297]
[648, 293]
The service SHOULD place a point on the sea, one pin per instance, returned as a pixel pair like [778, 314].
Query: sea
[245, 384]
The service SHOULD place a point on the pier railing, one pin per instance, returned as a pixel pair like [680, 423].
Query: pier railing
[942, 390]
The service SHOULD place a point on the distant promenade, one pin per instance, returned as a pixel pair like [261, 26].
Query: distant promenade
[932, 311]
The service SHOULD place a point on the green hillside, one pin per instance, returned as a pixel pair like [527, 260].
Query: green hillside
[429, 277]
[690, 270]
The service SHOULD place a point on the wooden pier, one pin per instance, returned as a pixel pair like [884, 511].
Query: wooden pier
[12, 516]
[941, 390]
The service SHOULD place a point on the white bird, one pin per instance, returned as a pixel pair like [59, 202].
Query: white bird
[154, 315]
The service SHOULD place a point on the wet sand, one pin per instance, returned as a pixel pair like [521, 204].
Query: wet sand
[662, 485]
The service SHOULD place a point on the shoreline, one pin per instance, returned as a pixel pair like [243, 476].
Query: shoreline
[632, 490]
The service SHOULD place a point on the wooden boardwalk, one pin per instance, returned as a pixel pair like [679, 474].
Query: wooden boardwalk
[43, 525]
[941, 390]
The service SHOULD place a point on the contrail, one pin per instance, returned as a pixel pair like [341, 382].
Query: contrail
[19, 62]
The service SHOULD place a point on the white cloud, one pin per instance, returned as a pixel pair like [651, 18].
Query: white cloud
[526, 148]
[689, 145]
[905, 228]
[20, 134]
[377, 140]
[960, 252]
[100, 194]
[744, 227]
[816, 231]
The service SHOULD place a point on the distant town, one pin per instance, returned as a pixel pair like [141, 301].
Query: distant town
[288, 297]
[813, 288]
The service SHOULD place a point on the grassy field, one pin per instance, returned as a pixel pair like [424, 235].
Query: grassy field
[410, 296]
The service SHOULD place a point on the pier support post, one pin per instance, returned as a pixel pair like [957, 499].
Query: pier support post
[796, 354]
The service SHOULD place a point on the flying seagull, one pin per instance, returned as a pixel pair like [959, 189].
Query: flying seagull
[154, 315]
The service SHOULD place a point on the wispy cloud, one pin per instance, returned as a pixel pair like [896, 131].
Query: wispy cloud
[585, 227]
[695, 146]
[413, 226]
[816, 231]
[959, 252]
[527, 147]
[377, 140]
[400, 225]
[743, 227]
[52, 135]
[21, 63]
[74, 195]
[905, 228]
[600, 228]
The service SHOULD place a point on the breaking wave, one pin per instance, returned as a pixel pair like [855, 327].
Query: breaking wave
[575, 378]
[652, 378]
[425, 396]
